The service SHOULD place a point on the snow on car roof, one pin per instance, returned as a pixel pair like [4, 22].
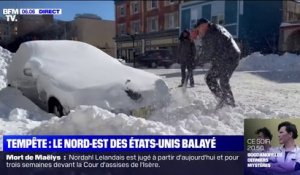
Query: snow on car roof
[75, 65]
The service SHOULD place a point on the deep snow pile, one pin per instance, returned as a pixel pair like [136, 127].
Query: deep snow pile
[194, 109]
[189, 112]
[17, 113]
[271, 62]
[94, 120]
[19, 120]
[15, 107]
[5, 59]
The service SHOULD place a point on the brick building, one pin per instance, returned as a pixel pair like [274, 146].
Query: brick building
[289, 40]
[146, 25]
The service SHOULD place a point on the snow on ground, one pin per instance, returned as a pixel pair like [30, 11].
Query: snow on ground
[256, 97]
[94, 120]
[5, 59]
[272, 92]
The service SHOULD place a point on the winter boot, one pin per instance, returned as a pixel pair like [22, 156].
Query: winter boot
[220, 104]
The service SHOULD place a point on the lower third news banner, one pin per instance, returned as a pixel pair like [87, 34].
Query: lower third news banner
[134, 155]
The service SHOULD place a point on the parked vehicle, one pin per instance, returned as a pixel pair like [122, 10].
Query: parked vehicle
[60, 75]
[154, 58]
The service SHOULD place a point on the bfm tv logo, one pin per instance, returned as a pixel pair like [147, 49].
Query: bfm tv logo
[11, 14]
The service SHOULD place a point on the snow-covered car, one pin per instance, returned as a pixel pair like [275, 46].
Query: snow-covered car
[60, 75]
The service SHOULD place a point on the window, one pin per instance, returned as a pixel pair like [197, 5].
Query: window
[170, 2]
[122, 29]
[297, 17]
[152, 4]
[152, 24]
[171, 20]
[218, 19]
[122, 10]
[135, 7]
[135, 26]
[290, 16]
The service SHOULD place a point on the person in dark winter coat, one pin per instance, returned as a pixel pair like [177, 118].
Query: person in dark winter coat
[220, 49]
[186, 58]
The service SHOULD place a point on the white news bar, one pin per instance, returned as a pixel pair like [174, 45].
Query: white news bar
[49, 11]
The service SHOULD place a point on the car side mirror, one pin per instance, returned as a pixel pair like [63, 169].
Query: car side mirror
[27, 72]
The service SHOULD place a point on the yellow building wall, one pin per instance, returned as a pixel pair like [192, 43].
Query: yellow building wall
[96, 32]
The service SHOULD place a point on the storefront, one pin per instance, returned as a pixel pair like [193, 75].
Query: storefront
[126, 46]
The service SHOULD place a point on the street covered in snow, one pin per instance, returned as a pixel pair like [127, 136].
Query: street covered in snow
[264, 87]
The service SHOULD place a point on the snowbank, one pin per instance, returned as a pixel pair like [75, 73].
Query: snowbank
[195, 112]
[189, 112]
[11, 98]
[18, 115]
[259, 62]
[94, 120]
[271, 62]
[5, 59]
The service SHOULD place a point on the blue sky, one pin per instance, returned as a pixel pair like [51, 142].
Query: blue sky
[104, 9]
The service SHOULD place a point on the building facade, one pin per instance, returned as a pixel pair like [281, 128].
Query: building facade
[146, 25]
[254, 24]
[289, 40]
[8, 31]
[94, 31]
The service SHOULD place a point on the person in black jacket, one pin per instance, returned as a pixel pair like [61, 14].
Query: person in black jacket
[186, 57]
[220, 49]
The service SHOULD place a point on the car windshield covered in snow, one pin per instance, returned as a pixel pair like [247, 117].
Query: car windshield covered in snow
[60, 75]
